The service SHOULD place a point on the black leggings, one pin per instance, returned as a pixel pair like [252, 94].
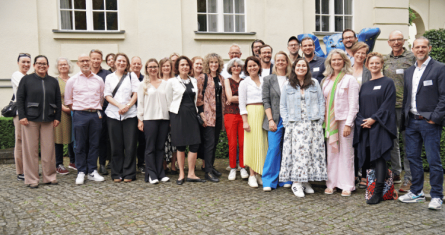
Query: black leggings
[192, 148]
[379, 165]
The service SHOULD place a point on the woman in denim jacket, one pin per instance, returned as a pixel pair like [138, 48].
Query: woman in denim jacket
[302, 109]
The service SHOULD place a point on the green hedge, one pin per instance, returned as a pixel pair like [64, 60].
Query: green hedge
[437, 40]
[7, 139]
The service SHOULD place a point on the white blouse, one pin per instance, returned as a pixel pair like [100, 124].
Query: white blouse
[123, 95]
[153, 103]
[15, 80]
[249, 93]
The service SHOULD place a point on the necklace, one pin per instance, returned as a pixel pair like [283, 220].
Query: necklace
[187, 81]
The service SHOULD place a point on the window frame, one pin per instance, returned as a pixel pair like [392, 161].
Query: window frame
[89, 17]
[220, 17]
[332, 16]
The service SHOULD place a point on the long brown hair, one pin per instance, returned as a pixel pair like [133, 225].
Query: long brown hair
[293, 80]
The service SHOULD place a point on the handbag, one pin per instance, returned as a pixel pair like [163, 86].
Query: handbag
[388, 188]
[10, 110]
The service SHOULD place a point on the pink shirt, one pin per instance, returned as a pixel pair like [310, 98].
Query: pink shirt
[84, 92]
[346, 98]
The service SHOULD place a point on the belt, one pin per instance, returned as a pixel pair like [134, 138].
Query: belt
[90, 110]
[416, 117]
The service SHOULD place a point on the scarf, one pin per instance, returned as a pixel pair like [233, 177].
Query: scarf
[331, 125]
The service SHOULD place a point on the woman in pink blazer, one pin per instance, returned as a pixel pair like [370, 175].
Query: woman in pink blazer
[340, 90]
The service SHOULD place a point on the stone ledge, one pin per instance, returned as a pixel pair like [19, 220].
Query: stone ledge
[7, 156]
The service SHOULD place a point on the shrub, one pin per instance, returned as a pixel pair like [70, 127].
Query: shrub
[437, 40]
[7, 130]
[222, 149]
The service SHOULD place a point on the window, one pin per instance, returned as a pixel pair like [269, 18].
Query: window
[221, 16]
[89, 15]
[333, 15]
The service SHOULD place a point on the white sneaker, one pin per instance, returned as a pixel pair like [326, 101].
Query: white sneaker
[94, 176]
[165, 179]
[287, 185]
[267, 189]
[435, 204]
[307, 187]
[297, 188]
[252, 182]
[80, 178]
[228, 168]
[232, 174]
[244, 173]
[155, 181]
[258, 178]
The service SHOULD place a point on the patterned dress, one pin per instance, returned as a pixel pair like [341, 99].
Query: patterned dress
[62, 133]
[169, 148]
[303, 150]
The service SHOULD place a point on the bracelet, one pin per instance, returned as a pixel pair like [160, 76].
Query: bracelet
[270, 119]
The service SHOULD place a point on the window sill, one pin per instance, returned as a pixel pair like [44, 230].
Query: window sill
[88, 35]
[248, 36]
[325, 33]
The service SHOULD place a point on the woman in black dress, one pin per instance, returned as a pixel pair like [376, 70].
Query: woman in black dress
[375, 125]
[182, 91]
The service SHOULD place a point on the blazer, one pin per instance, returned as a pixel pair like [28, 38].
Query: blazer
[366, 75]
[271, 99]
[175, 89]
[430, 99]
[346, 99]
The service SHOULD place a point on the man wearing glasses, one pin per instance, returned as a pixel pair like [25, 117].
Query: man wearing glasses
[234, 52]
[293, 45]
[84, 96]
[349, 39]
[394, 67]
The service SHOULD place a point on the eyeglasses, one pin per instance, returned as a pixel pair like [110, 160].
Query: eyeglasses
[84, 61]
[25, 54]
[41, 64]
[293, 45]
[152, 67]
[397, 40]
[96, 50]
[349, 38]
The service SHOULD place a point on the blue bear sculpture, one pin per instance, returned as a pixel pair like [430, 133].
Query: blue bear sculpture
[366, 35]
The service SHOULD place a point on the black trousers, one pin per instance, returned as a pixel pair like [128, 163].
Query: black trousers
[209, 141]
[123, 139]
[156, 132]
[141, 149]
[104, 142]
[381, 170]
[59, 153]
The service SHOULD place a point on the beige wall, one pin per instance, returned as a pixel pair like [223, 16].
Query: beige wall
[153, 31]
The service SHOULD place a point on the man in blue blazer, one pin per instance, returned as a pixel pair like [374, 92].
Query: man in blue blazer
[423, 117]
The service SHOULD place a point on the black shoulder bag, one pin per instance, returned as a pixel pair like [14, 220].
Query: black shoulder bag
[10, 110]
[119, 85]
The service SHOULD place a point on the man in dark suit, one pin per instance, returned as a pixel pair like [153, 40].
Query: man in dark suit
[423, 117]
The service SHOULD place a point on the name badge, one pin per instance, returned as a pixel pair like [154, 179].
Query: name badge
[399, 71]
[316, 69]
[377, 87]
[428, 83]
[193, 90]
[219, 84]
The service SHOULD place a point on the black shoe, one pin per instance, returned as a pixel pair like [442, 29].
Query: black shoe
[172, 172]
[203, 168]
[142, 169]
[377, 197]
[195, 180]
[211, 177]
[180, 182]
[109, 166]
[103, 170]
[216, 173]
[167, 171]
[21, 177]
[34, 186]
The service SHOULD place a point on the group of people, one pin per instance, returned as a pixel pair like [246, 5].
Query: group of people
[291, 119]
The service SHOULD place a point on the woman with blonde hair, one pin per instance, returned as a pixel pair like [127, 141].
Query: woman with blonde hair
[165, 73]
[273, 124]
[121, 92]
[62, 133]
[211, 102]
[340, 90]
[153, 120]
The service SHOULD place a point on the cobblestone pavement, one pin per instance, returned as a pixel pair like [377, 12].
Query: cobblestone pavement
[198, 208]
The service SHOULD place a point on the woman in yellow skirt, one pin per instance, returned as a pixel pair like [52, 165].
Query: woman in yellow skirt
[252, 112]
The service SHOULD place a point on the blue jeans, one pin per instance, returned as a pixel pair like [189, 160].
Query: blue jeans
[272, 165]
[87, 128]
[418, 132]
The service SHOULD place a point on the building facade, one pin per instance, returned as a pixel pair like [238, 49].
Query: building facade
[157, 28]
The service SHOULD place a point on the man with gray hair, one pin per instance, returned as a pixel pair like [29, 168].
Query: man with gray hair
[395, 64]
[234, 52]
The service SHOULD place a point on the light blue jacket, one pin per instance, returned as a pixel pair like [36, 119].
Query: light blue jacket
[290, 103]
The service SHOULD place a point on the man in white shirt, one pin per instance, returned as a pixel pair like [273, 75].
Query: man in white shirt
[266, 60]
[234, 52]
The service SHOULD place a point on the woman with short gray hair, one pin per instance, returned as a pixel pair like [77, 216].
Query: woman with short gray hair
[62, 133]
[233, 121]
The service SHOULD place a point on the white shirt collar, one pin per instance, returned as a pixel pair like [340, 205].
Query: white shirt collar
[424, 63]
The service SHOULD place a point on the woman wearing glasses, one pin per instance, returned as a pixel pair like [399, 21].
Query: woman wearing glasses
[24, 62]
[121, 92]
[39, 108]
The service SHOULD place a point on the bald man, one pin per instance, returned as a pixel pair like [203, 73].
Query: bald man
[84, 96]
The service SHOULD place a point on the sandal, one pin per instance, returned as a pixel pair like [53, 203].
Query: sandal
[345, 193]
[363, 184]
[329, 191]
